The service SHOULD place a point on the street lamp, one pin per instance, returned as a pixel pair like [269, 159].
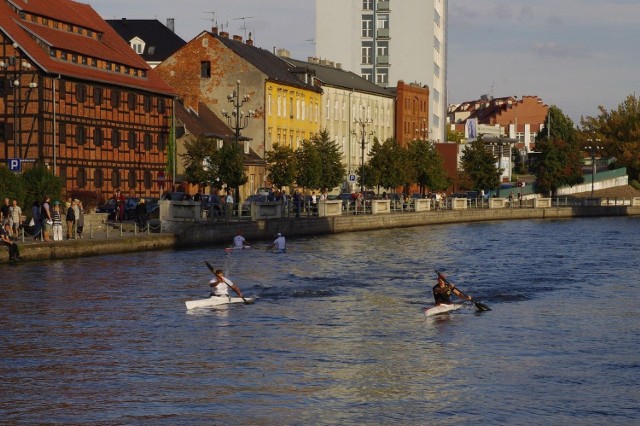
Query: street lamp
[14, 76]
[593, 148]
[237, 119]
[362, 124]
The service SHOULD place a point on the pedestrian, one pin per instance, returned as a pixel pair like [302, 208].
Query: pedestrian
[57, 222]
[36, 220]
[141, 214]
[4, 212]
[229, 202]
[7, 240]
[46, 215]
[70, 217]
[80, 219]
[16, 214]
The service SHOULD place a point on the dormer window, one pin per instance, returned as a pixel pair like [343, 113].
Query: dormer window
[137, 44]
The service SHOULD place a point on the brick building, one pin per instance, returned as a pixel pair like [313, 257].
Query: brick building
[412, 113]
[74, 96]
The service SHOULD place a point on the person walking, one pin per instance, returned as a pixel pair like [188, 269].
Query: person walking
[80, 219]
[46, 215]
[15, 213]
[71, 220]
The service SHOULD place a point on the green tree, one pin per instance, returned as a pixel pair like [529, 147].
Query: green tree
[388, 165]
[201, 161]
[38, 182]
[480, 169]
[453, 136]
[332, 170]
[428, 166]
[560, 164]
[281, 166]
[309, 163]
[619, 132]
[230, 166]
[11, 185]
[560, 128]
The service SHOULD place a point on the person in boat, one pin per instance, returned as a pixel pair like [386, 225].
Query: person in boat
[279, 244]
[239, 242]
[442, 293]
[220, 285]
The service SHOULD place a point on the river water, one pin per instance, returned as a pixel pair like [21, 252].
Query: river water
[338, 335]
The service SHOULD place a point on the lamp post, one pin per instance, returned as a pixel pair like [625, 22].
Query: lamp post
[593, 148]
[237, 119]
[362, 124]
[14, 76]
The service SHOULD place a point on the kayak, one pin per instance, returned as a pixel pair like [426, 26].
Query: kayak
[237, 248]
[442, 309]
[215, 301]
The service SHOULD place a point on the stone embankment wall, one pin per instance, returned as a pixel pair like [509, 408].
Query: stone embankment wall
[221, 233]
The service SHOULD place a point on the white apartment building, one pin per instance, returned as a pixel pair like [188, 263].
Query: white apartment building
[387, 41]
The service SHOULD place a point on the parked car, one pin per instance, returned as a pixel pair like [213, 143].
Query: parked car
[177, 196]
[246, 204]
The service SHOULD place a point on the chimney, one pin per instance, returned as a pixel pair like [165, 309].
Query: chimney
[224, 34]
[237, 38]
[338, 66]
[283, 53]
[249, 41]
[171, 24]
[214, 30]
[246, 147]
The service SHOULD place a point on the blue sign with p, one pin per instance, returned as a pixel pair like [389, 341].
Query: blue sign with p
[15, 165]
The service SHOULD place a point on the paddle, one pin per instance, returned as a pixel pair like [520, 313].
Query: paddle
[246, 302]
[479, 306]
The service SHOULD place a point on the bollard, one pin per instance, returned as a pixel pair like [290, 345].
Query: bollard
[135, 228]
[121, 229]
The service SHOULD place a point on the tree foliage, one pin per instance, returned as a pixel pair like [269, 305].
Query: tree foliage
[281, 166]
[427, 165]
[480, 167]
[561, 126]
[560, 164]
[619, 132]
[201, 161]
[388, 164]
[230, 165]
[332, 170]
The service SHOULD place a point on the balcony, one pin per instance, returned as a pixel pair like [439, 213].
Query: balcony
[382, 6]
[382, 33]
[382, 60]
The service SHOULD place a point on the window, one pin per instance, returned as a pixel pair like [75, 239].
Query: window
[115, 178]
[83, 59]
[97, 95]
[131, 101]
[382, 77]
[366, 55]
[436, 43]
[115, 98]
[115, 138]
[132, 139]
[81, 177]
[98, 137]
[161, 105]
[62, 131]
[98, 178]
[148, 142]
[80, 135]
[147, 179]
[80, 92]
[205, 69]
[131, 178]
[367, 4]
[367, 26]
[147, 103]
[162, 142]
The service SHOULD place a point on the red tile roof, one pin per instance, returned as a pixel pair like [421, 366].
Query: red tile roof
[111, 47]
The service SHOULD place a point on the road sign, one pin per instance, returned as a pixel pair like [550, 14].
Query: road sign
[15, 165]
[352, 178]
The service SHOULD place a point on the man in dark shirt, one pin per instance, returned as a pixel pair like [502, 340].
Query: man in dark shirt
[442, 292]
[5, 237]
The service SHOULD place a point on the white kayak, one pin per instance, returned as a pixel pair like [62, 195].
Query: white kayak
[237, 248]
[217, 300]
[442, 309]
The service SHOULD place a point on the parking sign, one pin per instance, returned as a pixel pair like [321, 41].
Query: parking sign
[14, 164]
[352, 178]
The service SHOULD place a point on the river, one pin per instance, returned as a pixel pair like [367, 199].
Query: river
[338, 334]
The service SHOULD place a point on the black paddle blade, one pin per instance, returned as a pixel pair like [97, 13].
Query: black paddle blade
[209, 266]
[481, 307]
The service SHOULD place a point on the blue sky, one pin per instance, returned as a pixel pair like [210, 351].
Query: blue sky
[576, 54]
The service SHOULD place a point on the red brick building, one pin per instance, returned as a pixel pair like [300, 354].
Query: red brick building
[76, 97]
[412, 113]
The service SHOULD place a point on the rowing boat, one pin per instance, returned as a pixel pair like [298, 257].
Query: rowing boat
[237, 248]
[441, 309]
[216, 301]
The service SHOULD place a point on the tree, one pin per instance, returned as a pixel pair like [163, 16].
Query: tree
[480, 166]
[230, 166]
[427, 165]
[453, 136]
[201, 160]
[560, 164]
[38, 182]
[332, 170]
[388, 165]
[560, 128]
[309, 165]
[619, 132]
[281, 165]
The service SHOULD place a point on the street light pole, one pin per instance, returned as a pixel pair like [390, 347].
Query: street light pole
[362, 124]
[593, 148]
[239, 119]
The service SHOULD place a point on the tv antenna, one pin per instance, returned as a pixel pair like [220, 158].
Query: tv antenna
[244, 23]
[212, 19]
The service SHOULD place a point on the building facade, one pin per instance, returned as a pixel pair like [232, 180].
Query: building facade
[412, 113]
[389, 41]
[75, 97]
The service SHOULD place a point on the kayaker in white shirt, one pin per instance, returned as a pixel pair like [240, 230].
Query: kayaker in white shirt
[220, 285]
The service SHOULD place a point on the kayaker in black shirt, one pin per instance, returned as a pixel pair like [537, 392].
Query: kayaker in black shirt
[442, 292]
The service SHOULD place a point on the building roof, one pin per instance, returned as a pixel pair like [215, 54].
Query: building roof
[337, 77]
[37, 41]
[160, 41]
[272, 66]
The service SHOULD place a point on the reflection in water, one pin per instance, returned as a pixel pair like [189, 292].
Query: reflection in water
[338, 335]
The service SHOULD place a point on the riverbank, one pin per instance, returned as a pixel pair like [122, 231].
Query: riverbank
[222, 233]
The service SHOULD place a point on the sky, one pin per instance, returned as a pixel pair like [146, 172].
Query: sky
[575, 54]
